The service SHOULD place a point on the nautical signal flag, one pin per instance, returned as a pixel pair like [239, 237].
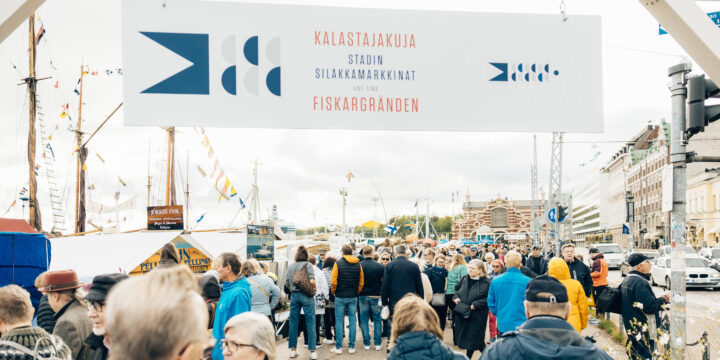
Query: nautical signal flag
[200, 218]
[241, 203]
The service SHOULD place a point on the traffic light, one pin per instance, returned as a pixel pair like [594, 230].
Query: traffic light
[699, 115]
[563, 213]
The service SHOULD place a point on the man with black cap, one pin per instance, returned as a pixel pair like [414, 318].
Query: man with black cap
[473, 254]
[536, 262]
[99, 340]
[546, 334]
[640, 308]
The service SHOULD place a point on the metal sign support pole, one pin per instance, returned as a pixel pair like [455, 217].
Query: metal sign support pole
[678, 80]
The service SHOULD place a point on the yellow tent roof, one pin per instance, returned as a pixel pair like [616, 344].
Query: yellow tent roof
[371, 224]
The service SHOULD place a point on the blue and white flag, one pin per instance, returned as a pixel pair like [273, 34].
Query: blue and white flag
[391, 229]
[626, 229]
[241, 203]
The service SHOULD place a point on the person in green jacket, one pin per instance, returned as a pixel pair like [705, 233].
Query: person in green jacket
[457, 271]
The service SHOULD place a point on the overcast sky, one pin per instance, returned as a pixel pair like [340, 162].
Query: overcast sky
[302, 170]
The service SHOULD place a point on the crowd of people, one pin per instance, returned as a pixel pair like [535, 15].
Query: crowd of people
[533, 306]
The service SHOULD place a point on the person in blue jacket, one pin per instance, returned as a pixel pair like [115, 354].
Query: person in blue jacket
[507, 294]
[235, 298]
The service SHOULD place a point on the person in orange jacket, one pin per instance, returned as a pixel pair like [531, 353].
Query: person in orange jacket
[578, 316]
[599, 273]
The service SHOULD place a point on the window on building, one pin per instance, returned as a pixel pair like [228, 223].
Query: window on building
[499, 217]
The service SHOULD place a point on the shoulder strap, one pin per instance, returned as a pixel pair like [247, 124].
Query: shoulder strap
[260, 287]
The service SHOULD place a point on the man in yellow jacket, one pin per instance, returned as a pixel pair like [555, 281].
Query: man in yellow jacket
[578, 317]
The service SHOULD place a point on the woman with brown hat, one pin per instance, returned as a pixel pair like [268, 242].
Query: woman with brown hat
[71, 321]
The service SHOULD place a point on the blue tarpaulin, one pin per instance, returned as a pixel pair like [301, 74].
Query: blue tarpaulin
[22, 258]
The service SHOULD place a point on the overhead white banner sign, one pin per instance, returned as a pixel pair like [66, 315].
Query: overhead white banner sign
[224, 64]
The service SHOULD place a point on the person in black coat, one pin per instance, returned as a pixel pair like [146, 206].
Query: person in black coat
[640, 307]
[536, 262]
[400, 278]
[45, 315]
[578, 270]
[437, 274]
[471, 309]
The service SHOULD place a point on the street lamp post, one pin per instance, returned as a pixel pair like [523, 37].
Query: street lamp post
[630, 218]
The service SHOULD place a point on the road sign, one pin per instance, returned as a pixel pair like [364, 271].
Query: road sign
[551, 215]
[714, 16]
[241, 64]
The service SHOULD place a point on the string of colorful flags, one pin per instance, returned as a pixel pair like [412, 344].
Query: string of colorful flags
[227, 190]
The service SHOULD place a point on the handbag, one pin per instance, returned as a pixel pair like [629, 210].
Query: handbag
[438, 299]
[301, 281]
[462, 309]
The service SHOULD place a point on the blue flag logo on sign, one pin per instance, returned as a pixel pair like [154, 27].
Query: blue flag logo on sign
[195, 79]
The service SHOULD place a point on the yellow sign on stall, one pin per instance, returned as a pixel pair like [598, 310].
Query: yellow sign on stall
[195, 259]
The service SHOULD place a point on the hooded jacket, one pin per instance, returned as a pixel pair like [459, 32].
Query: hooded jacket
[506, 297]
[576, 295]
[420, 345]
[544, 337]
[235, 299]
[347, 279]
[599, 271]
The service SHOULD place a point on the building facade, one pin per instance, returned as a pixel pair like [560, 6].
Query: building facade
[615, 172]
[500, 215]
[703, 210]
[589, 207]
[650, 153]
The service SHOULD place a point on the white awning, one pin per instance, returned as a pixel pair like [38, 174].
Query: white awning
[715, 229]
[90, 255]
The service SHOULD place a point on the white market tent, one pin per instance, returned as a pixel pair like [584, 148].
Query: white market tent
[90, 255]
[217, 243]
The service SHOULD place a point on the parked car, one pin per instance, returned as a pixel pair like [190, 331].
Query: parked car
[667, 249]
[625, 267]
[713, 255]
[697, 273]
[612, 252]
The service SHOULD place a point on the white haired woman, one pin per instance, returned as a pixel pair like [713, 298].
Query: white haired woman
[471, 309]
[248, 336]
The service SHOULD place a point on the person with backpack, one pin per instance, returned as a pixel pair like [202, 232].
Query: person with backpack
[300, 284]
[640, 308]
[264, 293]
[18, 338]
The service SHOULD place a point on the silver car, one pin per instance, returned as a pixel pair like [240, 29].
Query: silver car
[697, 273]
